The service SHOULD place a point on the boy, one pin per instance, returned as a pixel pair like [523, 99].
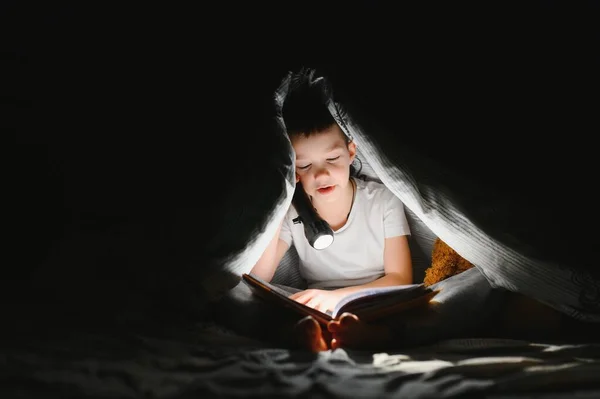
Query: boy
[370, 247]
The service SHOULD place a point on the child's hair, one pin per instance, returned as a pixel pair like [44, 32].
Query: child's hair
[305, 109]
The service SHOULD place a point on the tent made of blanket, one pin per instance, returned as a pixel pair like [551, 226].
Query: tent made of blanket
[432, 197]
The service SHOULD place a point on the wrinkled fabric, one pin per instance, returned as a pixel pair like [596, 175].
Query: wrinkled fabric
[471, 229]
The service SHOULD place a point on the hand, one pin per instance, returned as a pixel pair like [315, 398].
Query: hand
[322, 300]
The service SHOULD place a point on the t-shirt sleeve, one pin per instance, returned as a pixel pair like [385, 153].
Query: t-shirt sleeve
[285, 233]
[394, 218]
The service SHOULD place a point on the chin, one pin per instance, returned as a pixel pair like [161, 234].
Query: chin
[329, 198]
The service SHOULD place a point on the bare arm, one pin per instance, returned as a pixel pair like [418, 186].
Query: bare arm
[267, 263]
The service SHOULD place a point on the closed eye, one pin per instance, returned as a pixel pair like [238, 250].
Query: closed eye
[304, 167]
[333, 159]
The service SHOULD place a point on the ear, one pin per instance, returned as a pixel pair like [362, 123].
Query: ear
[352, 150]
[297, 177]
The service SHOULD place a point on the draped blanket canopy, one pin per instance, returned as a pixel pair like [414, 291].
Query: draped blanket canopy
[446, 202]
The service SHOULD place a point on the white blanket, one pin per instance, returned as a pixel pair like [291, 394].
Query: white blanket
[427, 192]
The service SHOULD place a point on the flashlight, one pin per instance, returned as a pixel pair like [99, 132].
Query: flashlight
[317, 231]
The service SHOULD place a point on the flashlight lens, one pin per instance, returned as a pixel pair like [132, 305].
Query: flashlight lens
[323, 241]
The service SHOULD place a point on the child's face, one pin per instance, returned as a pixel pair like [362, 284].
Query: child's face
[323, 163]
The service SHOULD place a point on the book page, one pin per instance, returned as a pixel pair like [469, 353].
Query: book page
[369, 304]
[379, 296]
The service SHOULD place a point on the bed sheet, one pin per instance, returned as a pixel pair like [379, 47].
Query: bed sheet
[209, 361]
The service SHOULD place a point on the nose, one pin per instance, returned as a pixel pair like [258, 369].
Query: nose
[321, 172]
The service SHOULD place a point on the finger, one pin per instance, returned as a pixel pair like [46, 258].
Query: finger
[299, 294]
[334, 344]
[303, 297]
[295, 295]
[333, 326]
[307, 324]
[348, 318]
[322, 307]
[320, 304]
[313, 303]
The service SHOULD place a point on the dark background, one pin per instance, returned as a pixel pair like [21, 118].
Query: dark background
[137, 127]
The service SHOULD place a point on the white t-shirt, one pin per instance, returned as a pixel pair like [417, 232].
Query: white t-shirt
[356, 255]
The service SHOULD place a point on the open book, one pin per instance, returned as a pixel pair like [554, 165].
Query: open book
[368, 304]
